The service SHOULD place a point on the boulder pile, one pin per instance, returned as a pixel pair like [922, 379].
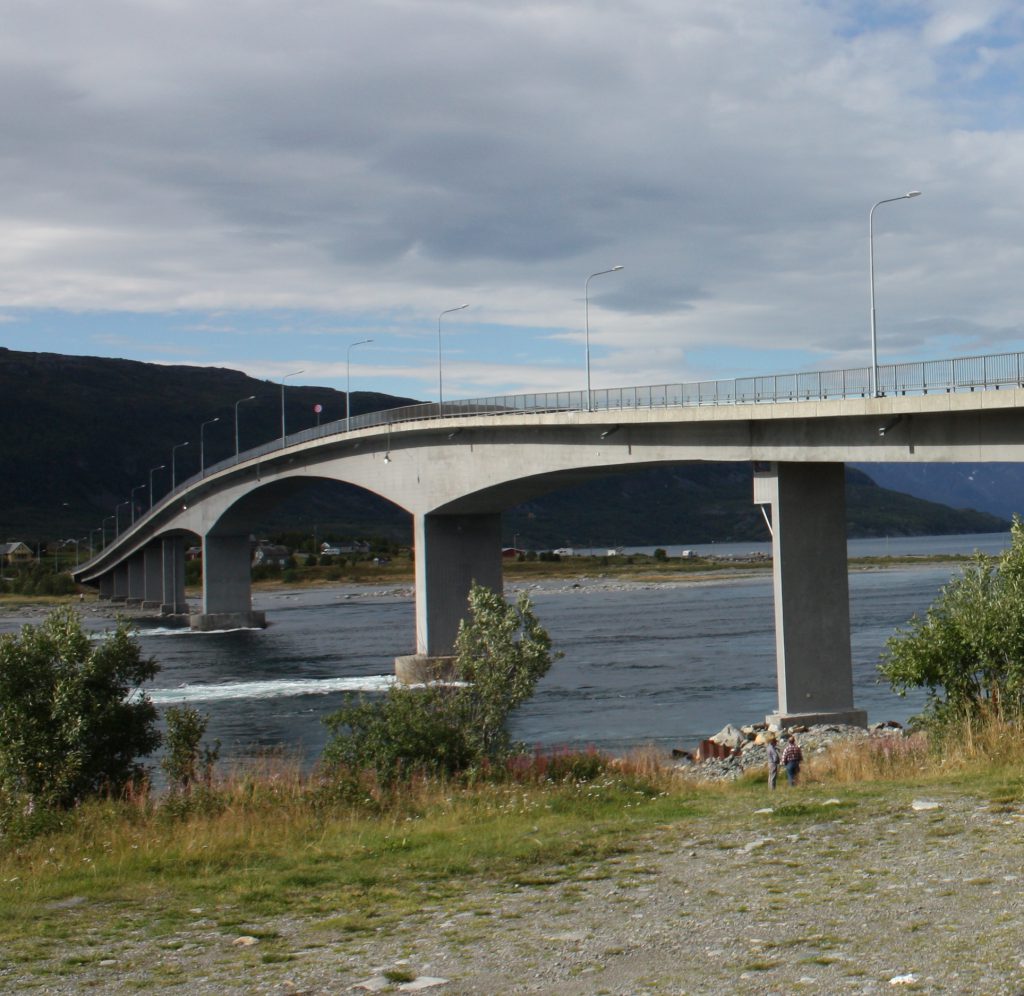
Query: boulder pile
[732, 750]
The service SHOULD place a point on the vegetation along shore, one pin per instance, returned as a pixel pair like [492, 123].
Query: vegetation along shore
[429, 853]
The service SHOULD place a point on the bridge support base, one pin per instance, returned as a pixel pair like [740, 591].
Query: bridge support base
[208, 621]
[851, 717]
[418, 669]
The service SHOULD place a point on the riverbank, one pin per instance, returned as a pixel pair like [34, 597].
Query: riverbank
[605, 887]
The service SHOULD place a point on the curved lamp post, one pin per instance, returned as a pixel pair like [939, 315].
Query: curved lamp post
[871, 277]
[138, 487]
[348, 379]
[202, 446]
[600, 273]
[252, 397]
[117, 517]
[174, 453]
[152, 471]
[284, 434]
[103, 527]
[440, 387]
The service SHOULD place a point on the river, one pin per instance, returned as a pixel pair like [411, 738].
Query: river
[664, 663]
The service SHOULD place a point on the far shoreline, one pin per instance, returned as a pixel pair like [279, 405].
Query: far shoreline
[584, 573]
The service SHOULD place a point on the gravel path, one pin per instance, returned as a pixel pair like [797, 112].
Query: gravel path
[887, 894]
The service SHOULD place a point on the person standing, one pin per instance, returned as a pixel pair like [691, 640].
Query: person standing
[773, 761]
[792, 757]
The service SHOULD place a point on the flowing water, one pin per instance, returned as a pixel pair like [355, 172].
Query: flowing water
[662, 663]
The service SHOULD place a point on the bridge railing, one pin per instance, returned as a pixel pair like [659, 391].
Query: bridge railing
[967, 373]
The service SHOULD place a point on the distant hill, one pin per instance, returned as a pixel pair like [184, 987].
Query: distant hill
[78, 433]
[997, 488]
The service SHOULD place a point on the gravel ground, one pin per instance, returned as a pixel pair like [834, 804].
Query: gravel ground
[889, 893]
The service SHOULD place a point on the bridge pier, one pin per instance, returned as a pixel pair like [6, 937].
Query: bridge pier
[227, 585]
[452, 551]
[119, 583]
[152, 577]
[812, 592]
[173, 577]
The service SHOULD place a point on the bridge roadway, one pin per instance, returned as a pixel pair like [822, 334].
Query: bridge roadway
[455, 473]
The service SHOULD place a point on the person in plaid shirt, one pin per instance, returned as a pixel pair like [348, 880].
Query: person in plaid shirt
[792, 756]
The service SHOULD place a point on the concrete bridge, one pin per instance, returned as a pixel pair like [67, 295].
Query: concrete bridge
[455, 467]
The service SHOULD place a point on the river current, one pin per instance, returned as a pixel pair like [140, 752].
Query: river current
[661, 663]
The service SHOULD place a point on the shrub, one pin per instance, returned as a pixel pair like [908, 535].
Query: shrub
[72, 718]
[968, 650]
[448, 727]
[187, 762]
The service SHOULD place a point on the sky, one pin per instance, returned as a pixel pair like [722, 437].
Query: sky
[261, 186]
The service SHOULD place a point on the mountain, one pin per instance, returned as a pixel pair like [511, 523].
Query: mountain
[80, 435]
[997, 488]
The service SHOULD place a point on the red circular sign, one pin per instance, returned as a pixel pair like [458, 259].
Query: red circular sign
[318, 408]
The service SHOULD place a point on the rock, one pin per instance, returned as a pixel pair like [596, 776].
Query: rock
[922, 805]
[245, 941]
[903, 980]
[729, 736]
[424, 982]
[374, 985]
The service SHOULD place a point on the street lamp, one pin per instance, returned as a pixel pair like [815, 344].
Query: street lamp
[440, 389]
[294, 373]
[202, 447]
[348, 379]
[174, 453]
[586, 294]
[871, 276]
[103, 527]
[252, 397]
[117, 517]
[152, 471]
[92, 545]
[138, 487]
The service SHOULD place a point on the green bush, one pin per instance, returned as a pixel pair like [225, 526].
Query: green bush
[448, 727]
[39, 578]
[186, 762]
[72, 718]
[968, 650]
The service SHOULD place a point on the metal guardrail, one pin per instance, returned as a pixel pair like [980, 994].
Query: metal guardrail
[968, 373]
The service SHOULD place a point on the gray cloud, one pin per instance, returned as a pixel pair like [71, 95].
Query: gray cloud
[371, 156]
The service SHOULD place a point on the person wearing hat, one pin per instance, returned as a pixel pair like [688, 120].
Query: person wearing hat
[792, 757]
[773, 760]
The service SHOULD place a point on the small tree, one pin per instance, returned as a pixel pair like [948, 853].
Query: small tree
[968, 650]
[448, 727]
[502, 651]
[72, 719]
[186, 762]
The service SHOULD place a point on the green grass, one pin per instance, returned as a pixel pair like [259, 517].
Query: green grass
[126, 870]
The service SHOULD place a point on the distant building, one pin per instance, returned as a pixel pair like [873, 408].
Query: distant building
[15, 553]
[340, 549]
[512, 553]
[272, 555]
[564, 551]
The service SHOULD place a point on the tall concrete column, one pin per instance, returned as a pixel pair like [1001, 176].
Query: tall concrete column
[136, 578]
[452, 551]
[227, 585]
[153, 576]
[172, 550]
[812, 596]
